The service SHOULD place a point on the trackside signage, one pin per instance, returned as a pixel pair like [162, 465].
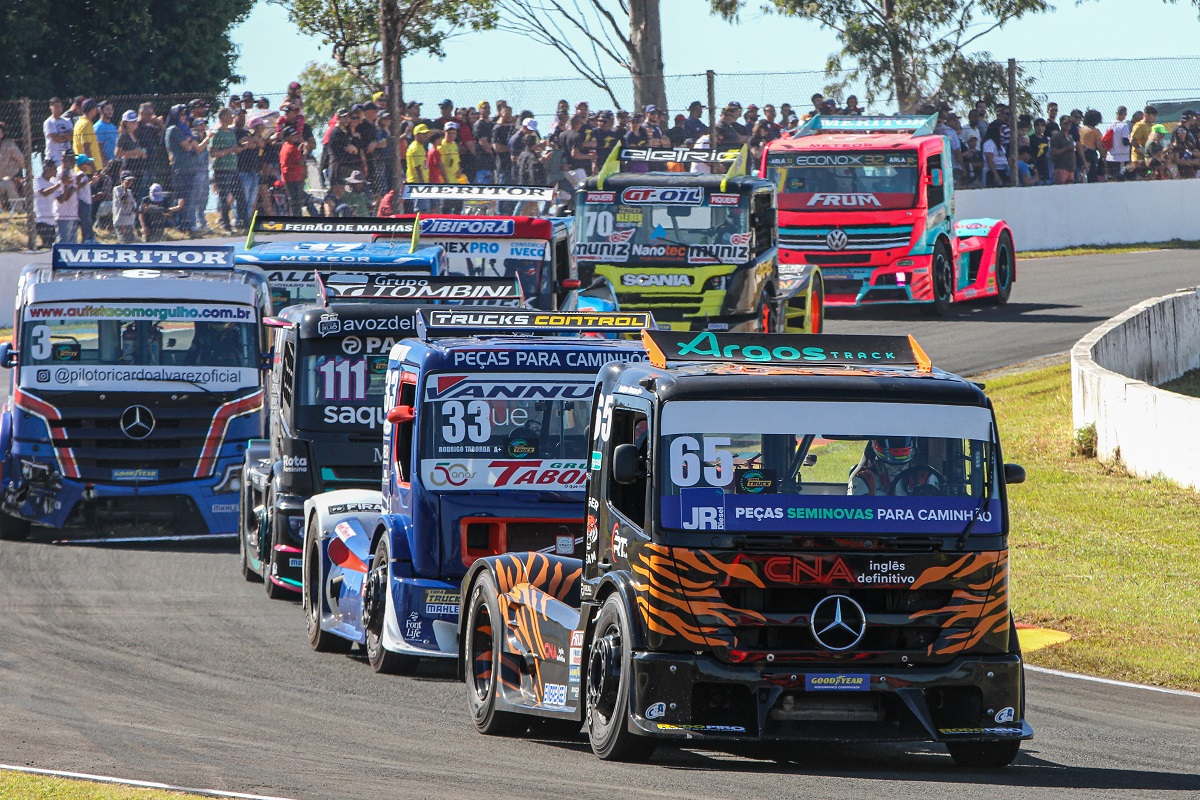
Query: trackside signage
[666, 347]
[81, 256]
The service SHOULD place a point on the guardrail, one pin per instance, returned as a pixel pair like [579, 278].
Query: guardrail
[1114, 373]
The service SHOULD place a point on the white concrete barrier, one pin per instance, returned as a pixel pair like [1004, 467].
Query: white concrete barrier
[1072, 215]
[1151, 431]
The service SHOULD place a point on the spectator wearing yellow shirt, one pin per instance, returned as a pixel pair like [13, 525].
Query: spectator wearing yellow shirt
[451, 158]
[1141, 133]
[414, 156]
[83, 138]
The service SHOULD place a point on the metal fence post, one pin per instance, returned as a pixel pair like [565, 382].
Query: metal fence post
[27, 144]
[711, 78]
[1013, 174]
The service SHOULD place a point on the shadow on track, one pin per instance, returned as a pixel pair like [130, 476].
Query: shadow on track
[973, 312]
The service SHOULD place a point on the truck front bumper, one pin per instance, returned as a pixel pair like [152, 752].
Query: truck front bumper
[685, 696]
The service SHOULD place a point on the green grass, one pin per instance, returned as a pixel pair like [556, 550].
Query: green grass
[23, 786]
[1188, 383]
[1112, 249]
[1112, 559]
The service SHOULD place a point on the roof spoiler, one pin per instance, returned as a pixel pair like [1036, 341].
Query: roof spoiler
[670, 348]
[915, 125]
[152, 256]
[364, 226]
[486, 322]
[356, 286]
[680, 155]
[458, 191]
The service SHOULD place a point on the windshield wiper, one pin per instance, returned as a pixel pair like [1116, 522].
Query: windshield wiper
[983, 501]
[198, 385]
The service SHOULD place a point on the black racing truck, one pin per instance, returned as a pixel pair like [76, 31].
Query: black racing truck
[788, 539]
[329, 365]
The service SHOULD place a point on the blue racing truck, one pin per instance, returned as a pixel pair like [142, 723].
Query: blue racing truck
[485, 451]
[326, 417]
[138, 381]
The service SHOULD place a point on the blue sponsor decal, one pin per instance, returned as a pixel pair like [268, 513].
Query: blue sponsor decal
[713, 509]
[467, 227]
[837, 683]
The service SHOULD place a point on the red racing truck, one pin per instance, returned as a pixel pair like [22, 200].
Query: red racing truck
[870, 200]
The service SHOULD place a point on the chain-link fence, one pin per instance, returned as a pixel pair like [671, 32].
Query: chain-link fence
[1102, 84]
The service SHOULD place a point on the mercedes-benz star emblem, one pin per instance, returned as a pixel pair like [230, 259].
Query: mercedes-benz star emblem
[137, 422]
[837, 622]
[837, 239]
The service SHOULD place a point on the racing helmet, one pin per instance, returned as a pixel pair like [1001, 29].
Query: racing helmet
[894, 449]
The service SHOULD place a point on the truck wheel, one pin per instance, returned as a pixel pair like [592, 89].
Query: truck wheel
[943, 281]
[984, 755]
[768, 313]
[1004, 269]
[248, 518]
[374, 612]
[610, 670]
[269, 538]
[320, 640]
[482, 653]
[13, 529]
[816, 308]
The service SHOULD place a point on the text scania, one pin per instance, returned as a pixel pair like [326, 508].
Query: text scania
[366, 416]
[656, 280]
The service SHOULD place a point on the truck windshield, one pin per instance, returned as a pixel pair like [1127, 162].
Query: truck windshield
[511, 431]
[842, 180]
[771, 466]
[693, 232]
[128, 348]
[340, 392]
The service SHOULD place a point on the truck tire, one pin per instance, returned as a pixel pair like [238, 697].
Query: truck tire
[769, 313]
[1005, 261]
[816, 308]
[984, 755]
[610, 668]
[13, 529]
[246, 517]
[943, 281]
[481, 658]
[380, 658]
[320, 640]
[270, 536]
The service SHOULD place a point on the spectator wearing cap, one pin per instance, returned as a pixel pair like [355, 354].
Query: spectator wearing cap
[295, 92]
[656, 135]
[57, 132]
[367, 134]
[750, 116]
[85, 176]
[151, 137]
[434, 169]
[106, 131]
[818, 106]
[66, 206]
[345, 156]
[774, 131]
[451, 156]
[416, 170]
[185, 154]
[693, 126]
[251, 153]
[1117, 159]
[726, 132]
[224, 150]
[124, 205]
[12, 168]
[83, 137]
[374, 134]
[159, 209]
[604, 135]
[355, 197]
[45, 187]
[262, 103]
[446, 114]
[247, 100]
[131, 154]
[578, 148]
[676, 133]
[485, 158]
[516, 142]
[639, 135]
[943, 129]
[291, 169]
[73, 113]
[468, 151]
[1140, 134]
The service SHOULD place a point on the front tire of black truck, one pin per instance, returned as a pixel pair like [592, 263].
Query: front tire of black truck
[320, 640]
[482, 654]
[248, 519]
[375, 606]
[609, 675]
[270, 535]
[13, 529]
[984, 755]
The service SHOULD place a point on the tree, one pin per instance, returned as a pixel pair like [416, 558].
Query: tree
[966, 79]
[328, 87]
[371, 38]
[65, 47]
[626, 34]
[899, 48]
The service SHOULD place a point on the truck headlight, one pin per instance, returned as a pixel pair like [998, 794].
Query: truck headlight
[717, 283]
[231, 481]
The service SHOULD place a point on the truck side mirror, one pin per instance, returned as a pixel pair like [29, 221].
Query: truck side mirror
[1014, 473]
[264, 360]
[401, 414]
[8, 356]
[627, 466]
[276, 322]
[935, 177]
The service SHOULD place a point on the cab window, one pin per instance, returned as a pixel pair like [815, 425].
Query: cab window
[630, 427]
[403, 436]
[762, 222]
[936, 195]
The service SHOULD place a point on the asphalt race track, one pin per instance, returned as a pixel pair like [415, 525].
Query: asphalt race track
[160, 663]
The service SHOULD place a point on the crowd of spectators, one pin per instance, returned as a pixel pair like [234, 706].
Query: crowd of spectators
[138, 173]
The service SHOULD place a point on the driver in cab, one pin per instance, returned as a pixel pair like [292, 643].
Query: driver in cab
[889, 467]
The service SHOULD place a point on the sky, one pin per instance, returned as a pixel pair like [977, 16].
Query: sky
[694, 40]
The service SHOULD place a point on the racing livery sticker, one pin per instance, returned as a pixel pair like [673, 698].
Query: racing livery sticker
[471, 474]
[614, 252]
[663, 195]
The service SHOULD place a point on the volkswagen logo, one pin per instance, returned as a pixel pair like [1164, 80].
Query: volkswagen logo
[137, 422]
[837, 622]
[837, 239]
